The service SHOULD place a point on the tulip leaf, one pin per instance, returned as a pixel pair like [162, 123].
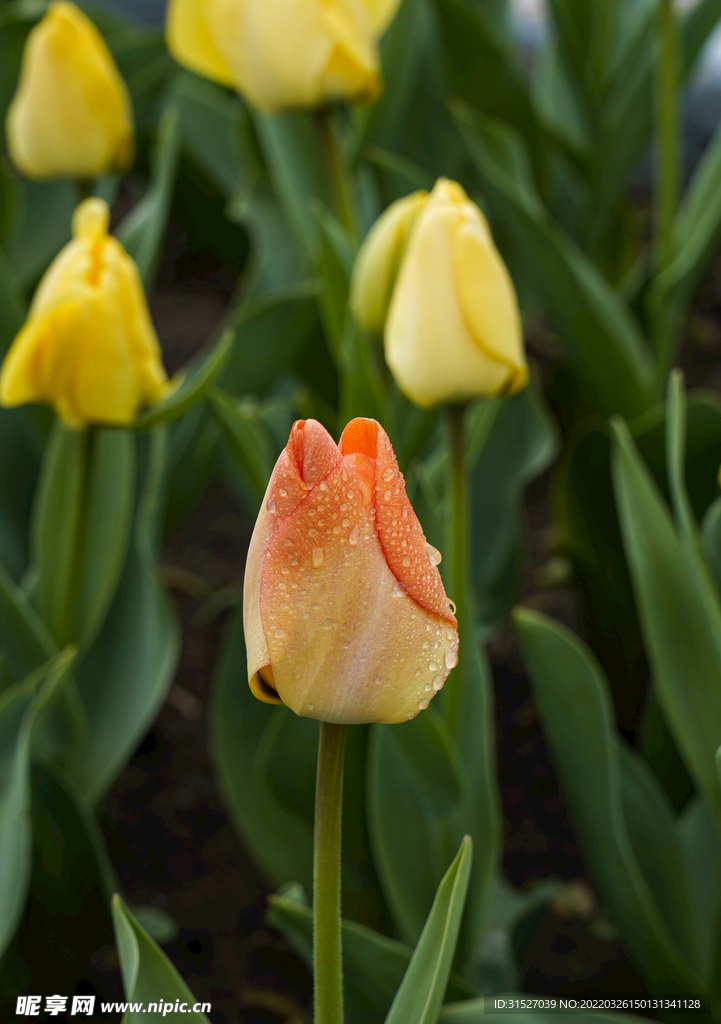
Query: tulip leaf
[125, 674]
[292, 150]
[402, 49]
[699, 842]
[22, 708]
[420, 995]
[603, 346]
[269, 331]
[142, 231]
[13, 307]
[56, 534]
[24, 638]
[711, 533]
[679, 613]
[149, 977]
[373, 964]
[572, 697]
[416, 790]
[42, 226]
[106, 522]
[192, 388]
[248, 441]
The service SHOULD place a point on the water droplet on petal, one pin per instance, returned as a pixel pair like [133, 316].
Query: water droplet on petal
[346, 523]
[328, 624]
[438, 683]
[344, 476]
[434, 555]
[451, 659]
[310, 707]
[354, 535]
[406, 561]
[271, 505]
[452, 606]
[317, 557]
[423, 705]
[433, 667]
[387, 494]
[283, 493]
[280, 633]
[388, 474]
[324, 486]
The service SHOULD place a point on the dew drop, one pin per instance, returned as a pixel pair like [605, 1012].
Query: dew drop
[428, 687]
[280, 633]
[271, 505]
[387, 494]
[451, 659]
[354, 535]
[310, 707]
[328, 624]
[346, 523]
[423, 705]
[283, 493]
[317, 557]
[452, 606]
[438, 683]
[433, 667]
[324, 486]
[344, 476]
[396, 589]
[434, 555]
[406, 561]
[388, 474]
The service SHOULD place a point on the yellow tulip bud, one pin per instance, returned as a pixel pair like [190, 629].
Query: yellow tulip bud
[380, 258]
[88, 346]
[452, 329]
[71, 114]
[280, 54]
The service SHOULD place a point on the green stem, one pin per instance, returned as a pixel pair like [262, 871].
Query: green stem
[327, 944]
[337, 171]
[668, 137]
[458, 537]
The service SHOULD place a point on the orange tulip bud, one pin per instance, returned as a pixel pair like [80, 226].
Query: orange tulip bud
[345, 615]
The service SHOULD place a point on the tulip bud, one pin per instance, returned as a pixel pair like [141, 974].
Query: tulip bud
[71, 114]
[88, 346]
[430, 272]
[345, 615]
[281, 54]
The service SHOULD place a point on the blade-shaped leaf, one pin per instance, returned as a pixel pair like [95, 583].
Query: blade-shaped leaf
[572, 697]
[142, 231]
[195, 383]
[419, 998]
[679, 614]
[149, 978]
[248, 440]
[24, 638]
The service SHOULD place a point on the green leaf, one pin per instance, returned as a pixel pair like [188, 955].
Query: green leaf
[143, 230]
[148, 975]
[56, 518]
[24, 638]
[247, 438]
[699, 842]
[402, 51]
[106, 523]
[572, 697]
[291, 147]
[125, 675]
[269, 330]
[22, 708]
[521, 442]
[419, 998]
[195, 382]
[679, 613]
[373, 964]
[711, 534]
[42, 226]
[13, 307]
[602, 344]
[415, 786]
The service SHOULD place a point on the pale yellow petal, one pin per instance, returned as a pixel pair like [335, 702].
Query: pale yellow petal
[381, 13]
[200, 34]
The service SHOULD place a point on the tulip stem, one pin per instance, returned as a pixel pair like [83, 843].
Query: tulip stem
[458, 536]
[337, 171]
[327, 944]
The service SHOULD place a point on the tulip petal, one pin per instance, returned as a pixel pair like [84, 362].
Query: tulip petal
[194, 29]
[345, 641]
[310, 455]
[488, 299]
[399, 531]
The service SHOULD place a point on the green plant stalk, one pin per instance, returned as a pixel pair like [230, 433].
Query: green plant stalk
[668, 140]
[458, 543]
[327, 943]
[337, 172]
